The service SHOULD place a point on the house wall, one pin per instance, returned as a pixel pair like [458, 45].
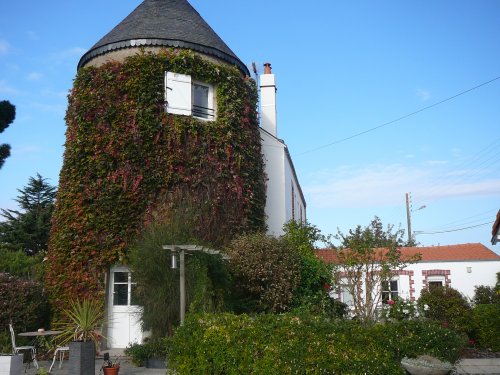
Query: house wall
[294, 202]
[274, 167]
[456, 275]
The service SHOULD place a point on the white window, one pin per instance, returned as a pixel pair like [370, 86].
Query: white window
[183, 96]
[123, 289]
[346, 296]
[389, 290]
[435, 281]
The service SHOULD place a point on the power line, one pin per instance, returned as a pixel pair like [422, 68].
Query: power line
[488, 156]
[401, 118]
[455, 230]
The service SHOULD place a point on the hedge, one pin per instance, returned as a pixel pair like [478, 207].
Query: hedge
[277, 344]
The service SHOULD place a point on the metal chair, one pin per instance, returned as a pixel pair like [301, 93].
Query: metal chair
[59, 350]
[17, 349]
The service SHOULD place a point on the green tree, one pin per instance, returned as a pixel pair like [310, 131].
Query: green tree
[7, 116]
[316, 276]
[28, 229]
[367, 258]
[157, 285]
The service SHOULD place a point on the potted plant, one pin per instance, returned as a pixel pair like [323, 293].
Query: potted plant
[109, 367]
[426, 365]
[11, 363]
[81, 329]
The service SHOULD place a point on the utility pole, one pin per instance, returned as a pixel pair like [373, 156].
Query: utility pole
[408, 217]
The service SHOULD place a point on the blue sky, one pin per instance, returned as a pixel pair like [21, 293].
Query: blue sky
[342, 68]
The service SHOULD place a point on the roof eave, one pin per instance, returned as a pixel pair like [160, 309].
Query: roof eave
[154, 42]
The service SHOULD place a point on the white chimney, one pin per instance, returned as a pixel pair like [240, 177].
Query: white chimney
[268, 100]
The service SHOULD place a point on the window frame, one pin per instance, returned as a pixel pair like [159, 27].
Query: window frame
[387, 290]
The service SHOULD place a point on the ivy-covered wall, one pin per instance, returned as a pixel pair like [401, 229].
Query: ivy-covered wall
[125, 156]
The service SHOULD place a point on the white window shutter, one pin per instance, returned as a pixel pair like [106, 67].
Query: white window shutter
[178, 93]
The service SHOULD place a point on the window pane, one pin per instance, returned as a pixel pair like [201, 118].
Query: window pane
[120, 296]
[435, 284]
[394, 286]
[347, 297]
[201, 102]
[121, 277]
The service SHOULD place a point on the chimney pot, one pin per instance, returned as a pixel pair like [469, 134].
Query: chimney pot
[267, 68]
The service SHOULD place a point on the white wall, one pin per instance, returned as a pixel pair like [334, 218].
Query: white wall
[295, 205]
[280, 179]
[274, 155]
[482, 273]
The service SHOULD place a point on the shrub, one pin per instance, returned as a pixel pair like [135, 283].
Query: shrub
[484, 295]
[23, 302]
[446, 306]
[266, 271]
[401, 310]
[17, 263]
[140, 353]
[487, 325]
[411, 338]
[277, 344]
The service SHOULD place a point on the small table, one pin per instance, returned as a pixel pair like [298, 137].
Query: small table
[39, 333]
[42, 343]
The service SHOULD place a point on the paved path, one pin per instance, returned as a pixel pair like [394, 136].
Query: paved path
[484, 366]
[126, 368]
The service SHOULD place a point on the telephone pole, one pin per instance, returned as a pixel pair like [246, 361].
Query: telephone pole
[408, 217]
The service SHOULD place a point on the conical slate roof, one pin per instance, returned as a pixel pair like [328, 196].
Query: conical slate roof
[168, 23]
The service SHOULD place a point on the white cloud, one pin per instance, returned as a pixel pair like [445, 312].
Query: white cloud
[379, 186]
[34, 76]
[424, 95]
[6, 89]
[4, 47]
[366, 187]
[436, 162]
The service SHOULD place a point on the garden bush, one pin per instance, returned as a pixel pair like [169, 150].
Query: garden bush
[411, 338]
[448, 307]
[487, 325]
[484, 295]
[277, 344]
[17, 263]
[23, 302]
[140, 353]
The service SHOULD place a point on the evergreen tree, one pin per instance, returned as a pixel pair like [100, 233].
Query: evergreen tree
[7, 115]
[28, 229]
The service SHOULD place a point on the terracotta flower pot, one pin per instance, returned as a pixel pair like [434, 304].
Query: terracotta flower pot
[111, 370]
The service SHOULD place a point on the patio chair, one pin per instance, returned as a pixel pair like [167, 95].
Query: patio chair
[59, 350]
[17, 349]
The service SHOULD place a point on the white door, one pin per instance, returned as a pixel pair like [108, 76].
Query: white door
[124, 326]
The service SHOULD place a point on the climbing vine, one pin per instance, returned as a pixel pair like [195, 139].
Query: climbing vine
[126, 158]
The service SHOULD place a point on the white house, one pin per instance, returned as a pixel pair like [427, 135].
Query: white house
[159, 24]
[461, 267]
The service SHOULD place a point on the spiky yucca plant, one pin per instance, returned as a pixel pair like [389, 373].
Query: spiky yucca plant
[81, 322]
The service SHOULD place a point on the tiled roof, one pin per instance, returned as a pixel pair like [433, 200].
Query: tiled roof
[168, 23]
[450, 253]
